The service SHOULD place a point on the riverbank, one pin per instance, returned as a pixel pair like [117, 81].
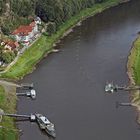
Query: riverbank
[33, 55]
[44, 45]
[8, 104]
[133, 70]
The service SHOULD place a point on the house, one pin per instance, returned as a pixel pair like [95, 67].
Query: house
[11, 46]
[25, 33]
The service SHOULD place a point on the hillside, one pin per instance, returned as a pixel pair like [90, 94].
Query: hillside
[16, 12]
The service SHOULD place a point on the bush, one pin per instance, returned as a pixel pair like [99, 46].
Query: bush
[8, 57]
[51, 28]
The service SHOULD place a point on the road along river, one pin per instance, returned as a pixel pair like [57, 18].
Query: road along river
[70, 84]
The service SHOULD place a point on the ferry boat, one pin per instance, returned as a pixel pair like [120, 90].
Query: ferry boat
[45, 125]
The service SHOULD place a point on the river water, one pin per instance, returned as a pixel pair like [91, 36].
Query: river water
[70, 84]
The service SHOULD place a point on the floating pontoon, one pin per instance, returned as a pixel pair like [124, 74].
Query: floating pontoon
[31, 94]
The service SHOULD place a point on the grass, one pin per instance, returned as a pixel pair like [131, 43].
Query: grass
[134, 61]
[26, 63]
[136, 66]
[134, 69]
[8, 104]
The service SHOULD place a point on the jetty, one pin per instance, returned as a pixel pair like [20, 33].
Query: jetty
[30, 117]
[31, 94]
[111, 88]
[18, 85]
[123, 104]
[26, 86]
[42, 121]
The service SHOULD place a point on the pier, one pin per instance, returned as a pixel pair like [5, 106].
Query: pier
[111, 88]
[30, 117]
[42, 121]
[26, 86]
[31, 94]
[123, 104]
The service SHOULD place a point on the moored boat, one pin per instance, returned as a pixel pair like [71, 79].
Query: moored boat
[45, 125]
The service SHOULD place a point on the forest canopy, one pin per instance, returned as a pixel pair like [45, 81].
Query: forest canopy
[16, 12]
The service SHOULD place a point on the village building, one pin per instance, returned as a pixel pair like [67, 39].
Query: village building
[27, 33]
[11, 46]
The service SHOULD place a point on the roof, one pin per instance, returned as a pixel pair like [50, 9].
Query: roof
[24, 29]
[12, 44]
[32, 24]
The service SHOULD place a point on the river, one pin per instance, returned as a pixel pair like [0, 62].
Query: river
[70, 84]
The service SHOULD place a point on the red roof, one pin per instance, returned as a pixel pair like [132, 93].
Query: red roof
[24, 29]
[12, 44]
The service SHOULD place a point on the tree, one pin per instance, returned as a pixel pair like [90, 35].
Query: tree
[51, 28]
[8, 57]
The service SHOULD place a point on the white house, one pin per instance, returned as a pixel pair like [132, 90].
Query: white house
[25, 33]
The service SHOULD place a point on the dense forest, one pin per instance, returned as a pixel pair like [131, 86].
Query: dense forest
[16, 12]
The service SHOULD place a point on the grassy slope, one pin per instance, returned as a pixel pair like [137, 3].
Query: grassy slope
[136, 66]
[8, 104]
[31, 57]
[134, 73]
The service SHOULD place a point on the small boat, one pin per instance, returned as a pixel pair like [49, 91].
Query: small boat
[46, 125]
[32, 94]
[110, 88]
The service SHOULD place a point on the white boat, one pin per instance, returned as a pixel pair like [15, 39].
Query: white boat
[110, 88]
[45, 125]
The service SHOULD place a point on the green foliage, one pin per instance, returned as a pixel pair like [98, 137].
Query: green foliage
[57, 11]
[8, 57]
[23, 8]
[51, 28]
[10, 24]
[135, 58]
[2, 6]
[18, 14]
[60, 10]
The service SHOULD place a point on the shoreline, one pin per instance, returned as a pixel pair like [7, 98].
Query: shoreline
[8, 102]
[131, 68]
[50, 42]
[53, 40]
